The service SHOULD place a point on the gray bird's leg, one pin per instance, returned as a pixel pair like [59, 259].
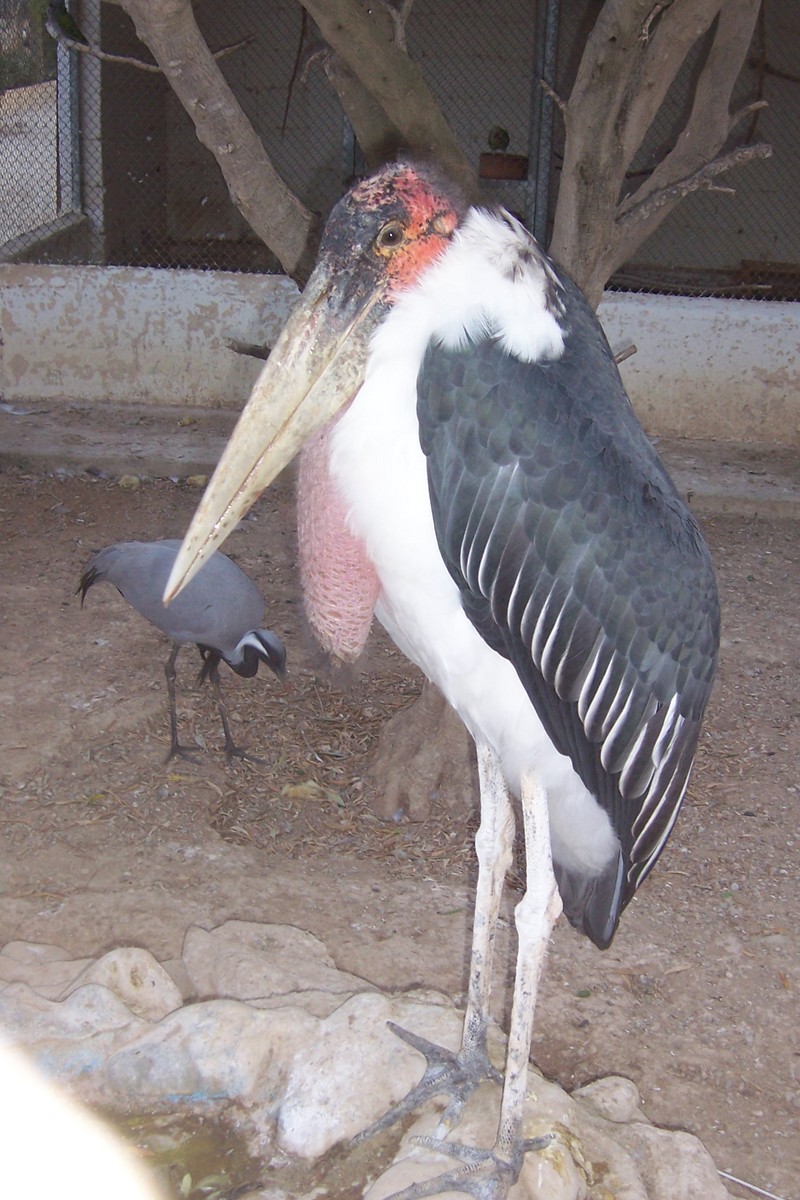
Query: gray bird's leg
[457, 1075]
[489, 1174]
[210, 671]
[175, 746]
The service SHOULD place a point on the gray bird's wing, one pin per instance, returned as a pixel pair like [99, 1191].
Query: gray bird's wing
[216, 609]
[579, 562]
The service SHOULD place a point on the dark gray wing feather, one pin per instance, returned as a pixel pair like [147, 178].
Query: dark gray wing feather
[578, 561]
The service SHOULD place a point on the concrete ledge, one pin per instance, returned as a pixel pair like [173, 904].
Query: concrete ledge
[134, 336]
[709, 369]
[176, 441]
[704, 368]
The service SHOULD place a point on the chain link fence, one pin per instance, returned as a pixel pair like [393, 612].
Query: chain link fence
[741, 238]
[100, 163]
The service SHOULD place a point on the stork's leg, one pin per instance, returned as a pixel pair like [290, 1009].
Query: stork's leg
[488, 1175]
[494, 844]
[175, 746]
[457, 1075]
[535, 916]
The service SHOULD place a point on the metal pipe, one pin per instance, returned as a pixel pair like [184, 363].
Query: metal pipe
[542, 104]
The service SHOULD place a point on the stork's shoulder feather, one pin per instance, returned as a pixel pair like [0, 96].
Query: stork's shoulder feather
[574, 554]
[494, 281]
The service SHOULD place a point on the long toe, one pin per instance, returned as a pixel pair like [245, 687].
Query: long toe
[233, 751]
[176, 750]
[446, 1073]
[483, 1174]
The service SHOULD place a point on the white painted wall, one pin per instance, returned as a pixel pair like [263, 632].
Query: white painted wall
[134, 335]
[722, 369]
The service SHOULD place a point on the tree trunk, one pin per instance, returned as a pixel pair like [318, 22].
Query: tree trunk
[629, 63]
[358, 36]
[425, 760]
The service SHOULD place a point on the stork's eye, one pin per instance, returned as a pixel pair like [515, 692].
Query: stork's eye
[390, 237]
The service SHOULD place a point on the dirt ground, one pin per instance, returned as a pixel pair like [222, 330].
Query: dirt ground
[102, 843]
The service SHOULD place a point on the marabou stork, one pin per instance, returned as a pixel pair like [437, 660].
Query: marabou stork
[220, 611]
[474, 474]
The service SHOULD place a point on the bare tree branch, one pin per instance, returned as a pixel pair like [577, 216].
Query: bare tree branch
[170, 31]
[709, 123]
[554, 96]
[652, 16]
[394, 81]
[378, 137]
[630, 61]
[399, 18]
[644, 210]
[104, 56]
[747, 111]
[658, 62]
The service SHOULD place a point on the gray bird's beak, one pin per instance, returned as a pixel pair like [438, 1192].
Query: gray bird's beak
[315, 368]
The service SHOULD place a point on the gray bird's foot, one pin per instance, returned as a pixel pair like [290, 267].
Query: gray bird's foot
[176, 750]
[454, 1075]
[485, 1174]
[233, 751]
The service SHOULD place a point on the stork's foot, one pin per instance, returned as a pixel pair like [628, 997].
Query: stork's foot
[454, 1075]
[485, 1174]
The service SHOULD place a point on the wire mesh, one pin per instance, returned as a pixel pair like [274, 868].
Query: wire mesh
[101, 164]
[741, 238]
[28, 125]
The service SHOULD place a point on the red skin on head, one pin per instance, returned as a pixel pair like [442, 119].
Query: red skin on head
[340, 585]
[427, 212]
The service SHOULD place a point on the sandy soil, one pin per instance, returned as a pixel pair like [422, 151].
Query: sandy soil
[102, 843]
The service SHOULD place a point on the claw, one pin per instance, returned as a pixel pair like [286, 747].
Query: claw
[232, 751]
[485, 1175]
[456, 1075]
[178, 751]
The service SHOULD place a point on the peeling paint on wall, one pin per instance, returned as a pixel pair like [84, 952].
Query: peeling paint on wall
[132, 335]
[717, 369]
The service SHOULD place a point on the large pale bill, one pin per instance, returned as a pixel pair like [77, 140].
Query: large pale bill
[316, 367]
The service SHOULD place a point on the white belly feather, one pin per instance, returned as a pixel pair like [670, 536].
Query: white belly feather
[378, 465]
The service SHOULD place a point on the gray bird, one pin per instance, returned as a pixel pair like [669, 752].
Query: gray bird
[219, 611]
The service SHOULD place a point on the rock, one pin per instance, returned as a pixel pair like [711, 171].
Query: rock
[304, 1057]
[673, 1165]
[615, 1098]
[90, 1010]
[355, 1069]
[641, 1162]
[213, 1050]
[45, 968]
[267, 965]
[559, 1171]
[71, 1038]
[137, 979]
